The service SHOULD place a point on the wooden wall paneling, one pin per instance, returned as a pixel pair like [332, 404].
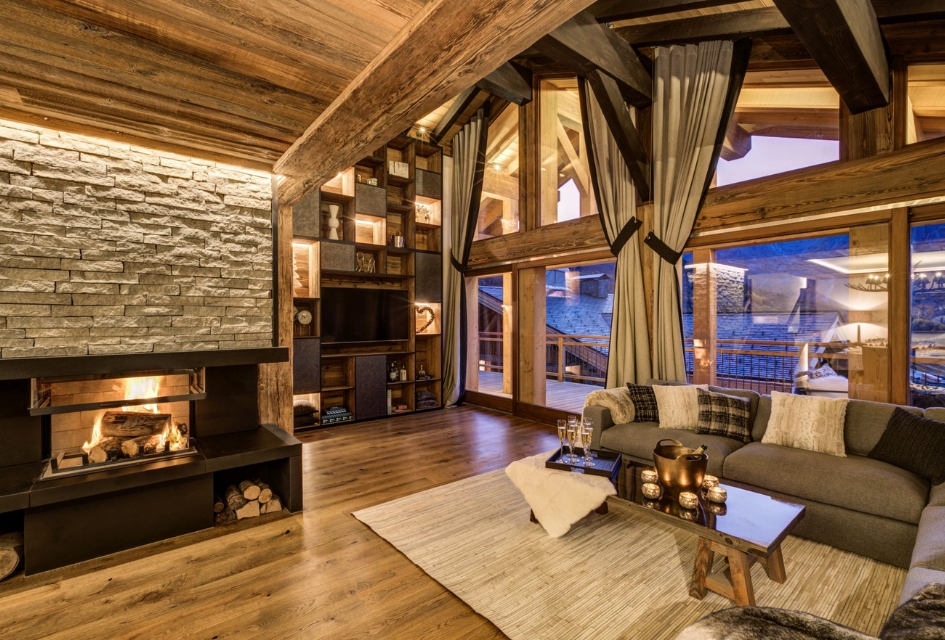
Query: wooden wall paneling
[704, 309]
[472, 333]
[531, 335]
[445, 44]
[275, 380]
[508, 336]
[900, 305]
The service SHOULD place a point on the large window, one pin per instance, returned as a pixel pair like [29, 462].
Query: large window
[566, 190]
[808, 316]
[579, 306]
[498, 210]
[927, 362]
[489, 364]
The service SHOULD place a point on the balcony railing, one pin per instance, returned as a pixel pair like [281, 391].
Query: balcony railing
[568, 358]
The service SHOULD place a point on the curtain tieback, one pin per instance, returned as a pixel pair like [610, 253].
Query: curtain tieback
[457, 264]
[661, 248]
[632, 226]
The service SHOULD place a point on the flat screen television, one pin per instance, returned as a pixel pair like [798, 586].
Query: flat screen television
[364, 315]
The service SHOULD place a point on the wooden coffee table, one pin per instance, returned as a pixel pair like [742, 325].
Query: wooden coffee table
[749, 529]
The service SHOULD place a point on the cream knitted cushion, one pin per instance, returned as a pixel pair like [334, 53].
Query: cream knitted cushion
[679, 405]
[807, 422]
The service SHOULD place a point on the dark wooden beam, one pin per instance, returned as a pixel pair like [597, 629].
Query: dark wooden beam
[843, 36]
[584, 45]
[454, 113]
[737, 143]
[447, 44]
[753, 23]
[511, 82]
[622, 128]
[613, 10]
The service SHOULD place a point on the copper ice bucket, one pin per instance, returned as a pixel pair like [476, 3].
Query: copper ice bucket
[679, 470]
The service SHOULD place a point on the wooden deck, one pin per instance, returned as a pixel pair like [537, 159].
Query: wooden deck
[566, 396]
[317, 574]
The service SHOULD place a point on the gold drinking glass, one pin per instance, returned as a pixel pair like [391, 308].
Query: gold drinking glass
[572, 436]
[587, 434]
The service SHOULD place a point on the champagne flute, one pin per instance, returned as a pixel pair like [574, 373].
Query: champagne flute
[587, 433]
[562, 435]
[572, 435]
[572, 429]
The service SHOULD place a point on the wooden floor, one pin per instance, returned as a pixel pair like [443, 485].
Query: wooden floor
[320, 574]
[566, 396]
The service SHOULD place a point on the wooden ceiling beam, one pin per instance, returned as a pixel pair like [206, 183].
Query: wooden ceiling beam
[584, 46]
[622, 128]
[737, 143]
[511, 82]
[843, 36]
[752, 23]
[443, 47]
[613, 10]
[455, 112]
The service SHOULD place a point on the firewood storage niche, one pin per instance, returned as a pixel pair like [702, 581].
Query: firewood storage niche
[110, 420]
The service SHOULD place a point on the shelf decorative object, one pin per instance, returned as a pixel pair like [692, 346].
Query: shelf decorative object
[423, 212]
[425, 313]
[333, 223]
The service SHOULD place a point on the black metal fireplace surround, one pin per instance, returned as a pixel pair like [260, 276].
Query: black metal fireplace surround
[79, 517]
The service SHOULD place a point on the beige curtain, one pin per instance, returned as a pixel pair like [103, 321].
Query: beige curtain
[629, 359]
[695, 88]
[469, 153]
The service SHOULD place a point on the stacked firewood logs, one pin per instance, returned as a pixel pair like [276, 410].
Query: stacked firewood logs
[248, 499]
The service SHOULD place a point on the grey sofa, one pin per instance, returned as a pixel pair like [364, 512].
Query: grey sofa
[855, 503]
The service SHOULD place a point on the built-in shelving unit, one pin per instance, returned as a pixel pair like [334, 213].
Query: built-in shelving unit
[376, 225]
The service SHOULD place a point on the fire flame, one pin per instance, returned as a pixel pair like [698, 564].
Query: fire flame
[136, 388]
[96, 433]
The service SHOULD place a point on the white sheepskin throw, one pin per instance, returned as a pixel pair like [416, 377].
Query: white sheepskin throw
[679, 405]
[558, 498]
[617, 400]
[807, 422]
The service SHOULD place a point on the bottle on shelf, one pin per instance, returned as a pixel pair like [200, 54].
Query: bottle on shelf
[393, 374]
[403, 373]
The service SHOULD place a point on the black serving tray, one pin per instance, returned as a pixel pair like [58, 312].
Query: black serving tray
[606, 463]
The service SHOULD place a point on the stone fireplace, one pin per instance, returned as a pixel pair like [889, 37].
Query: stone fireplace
[136, 306]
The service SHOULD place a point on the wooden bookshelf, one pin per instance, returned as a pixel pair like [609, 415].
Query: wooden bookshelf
[386, 213]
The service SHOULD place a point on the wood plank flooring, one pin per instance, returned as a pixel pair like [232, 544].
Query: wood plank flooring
[319, 574]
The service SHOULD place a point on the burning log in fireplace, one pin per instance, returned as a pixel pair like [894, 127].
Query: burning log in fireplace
[130, 434]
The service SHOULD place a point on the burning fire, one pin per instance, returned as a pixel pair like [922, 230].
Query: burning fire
[134, 389]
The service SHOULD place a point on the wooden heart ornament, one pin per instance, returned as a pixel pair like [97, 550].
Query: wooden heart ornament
[427, 315]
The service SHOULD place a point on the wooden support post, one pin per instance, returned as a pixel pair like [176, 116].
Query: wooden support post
[508, 335]
[548, 135]
[879, 130]
[900, 305]
[704, 311]
[472, 334]
[532, 329]
[275, 380]
[561, 358]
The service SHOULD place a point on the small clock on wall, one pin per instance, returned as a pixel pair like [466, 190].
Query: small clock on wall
[303, 314]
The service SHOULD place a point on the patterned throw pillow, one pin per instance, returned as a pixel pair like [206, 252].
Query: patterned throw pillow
[722, 415]
[645, 408]
[679, 405]
[913, 443]
[825, 371]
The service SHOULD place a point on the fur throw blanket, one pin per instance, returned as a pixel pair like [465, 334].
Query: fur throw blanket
[921, 618]
[617, 400]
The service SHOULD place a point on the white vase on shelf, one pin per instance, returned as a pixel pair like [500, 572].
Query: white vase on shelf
[333, 223]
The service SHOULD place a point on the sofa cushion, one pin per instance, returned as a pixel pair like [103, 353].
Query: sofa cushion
[865, 423]
[935, 413]
[913, 443]
[855, 482]
[762, 415]
[929, 551]
[753, 397]
[679, 406]
[638, 439]
[722, 415]
[937, 496]
[643, 399]
[917, 579]
[806, 422]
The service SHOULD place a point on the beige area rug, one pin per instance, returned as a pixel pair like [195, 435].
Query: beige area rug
[621, 575]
